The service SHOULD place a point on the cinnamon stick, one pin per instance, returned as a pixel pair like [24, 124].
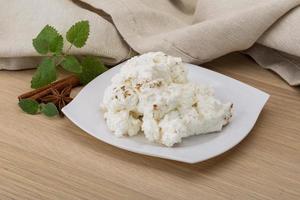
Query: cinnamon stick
[72, 81]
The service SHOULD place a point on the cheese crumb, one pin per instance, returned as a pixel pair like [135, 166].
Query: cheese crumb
[152, 95]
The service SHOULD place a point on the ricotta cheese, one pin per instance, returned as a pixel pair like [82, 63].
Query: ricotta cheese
[152, 95]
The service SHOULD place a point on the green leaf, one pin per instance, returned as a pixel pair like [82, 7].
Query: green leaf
[79, 33]
[56, 46]
[49, 109]
[45, 74]
[71, 64]
[91, 68]
[48, 40]
[29, 106]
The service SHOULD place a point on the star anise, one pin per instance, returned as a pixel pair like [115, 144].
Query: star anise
[59, 98]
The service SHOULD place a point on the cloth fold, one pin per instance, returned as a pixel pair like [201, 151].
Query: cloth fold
[197, 31]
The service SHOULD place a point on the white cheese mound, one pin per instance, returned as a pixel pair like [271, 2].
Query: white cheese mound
[152, 95]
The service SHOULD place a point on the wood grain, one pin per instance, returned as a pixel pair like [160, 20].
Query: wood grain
[43, 158]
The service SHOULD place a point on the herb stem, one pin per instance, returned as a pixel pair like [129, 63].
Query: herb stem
[60, 59]
[69, 48]
[62, 56]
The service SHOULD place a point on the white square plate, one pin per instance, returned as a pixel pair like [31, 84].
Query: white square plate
[84, 111]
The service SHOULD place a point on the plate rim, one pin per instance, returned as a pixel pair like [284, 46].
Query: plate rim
[266, 96]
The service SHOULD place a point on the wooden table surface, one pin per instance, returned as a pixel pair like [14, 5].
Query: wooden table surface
[43, 158]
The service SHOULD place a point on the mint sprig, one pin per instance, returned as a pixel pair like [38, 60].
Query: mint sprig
[32, 107]
[45, 73]
[78, 34]
[91, 68]
[29, 106]
[49, 109]
[50, 42]
[71, 64]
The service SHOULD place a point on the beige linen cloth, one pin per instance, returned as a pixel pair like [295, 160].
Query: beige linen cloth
[197, 31]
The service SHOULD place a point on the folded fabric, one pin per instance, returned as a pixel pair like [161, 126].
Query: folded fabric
[197, 31]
